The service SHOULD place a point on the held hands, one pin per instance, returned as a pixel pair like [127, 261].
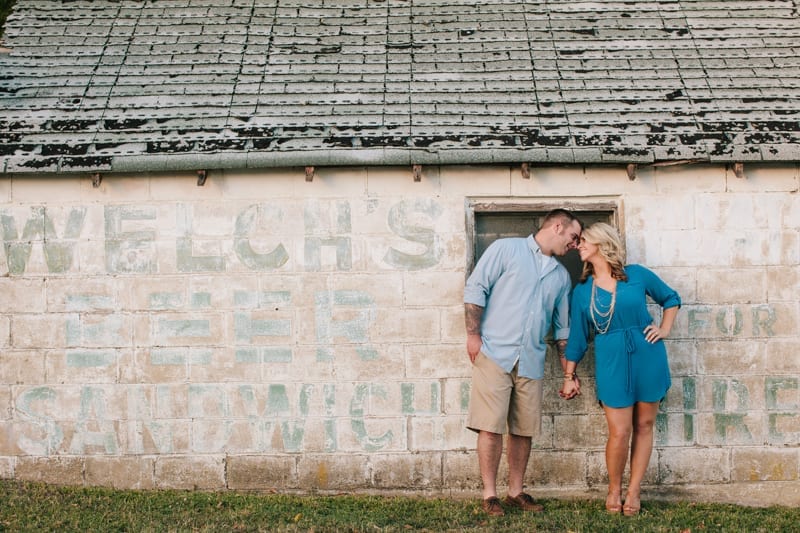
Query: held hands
[572, 385]
[570, 388]
[474, 344]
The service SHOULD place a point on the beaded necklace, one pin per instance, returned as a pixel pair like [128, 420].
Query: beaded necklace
[597, 313]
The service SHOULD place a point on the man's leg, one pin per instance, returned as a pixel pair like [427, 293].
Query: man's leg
[490, 449]
[488, 412]
[524, 421]
[519, 450]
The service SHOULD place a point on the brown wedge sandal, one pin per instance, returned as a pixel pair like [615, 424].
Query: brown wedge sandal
[632, 506]
[613, 503]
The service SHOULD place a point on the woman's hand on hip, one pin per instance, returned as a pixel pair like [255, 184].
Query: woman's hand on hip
[653, 333]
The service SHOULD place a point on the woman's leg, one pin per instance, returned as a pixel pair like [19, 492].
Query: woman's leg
[644, 418]
[620, 427]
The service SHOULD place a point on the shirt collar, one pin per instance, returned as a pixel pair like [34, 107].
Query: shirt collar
[534, 246]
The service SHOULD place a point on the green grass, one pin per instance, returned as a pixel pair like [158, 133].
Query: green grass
[39, 507]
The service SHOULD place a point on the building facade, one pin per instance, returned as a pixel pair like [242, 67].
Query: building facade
[251, 278]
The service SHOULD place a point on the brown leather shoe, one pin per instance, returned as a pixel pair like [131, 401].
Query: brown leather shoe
[525, 502]
[492, 506]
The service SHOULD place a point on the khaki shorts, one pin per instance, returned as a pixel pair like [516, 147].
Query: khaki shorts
[500, 400]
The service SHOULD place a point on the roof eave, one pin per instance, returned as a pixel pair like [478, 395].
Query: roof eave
[396, 157]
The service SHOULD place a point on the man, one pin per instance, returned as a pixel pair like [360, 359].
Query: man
[515, 294]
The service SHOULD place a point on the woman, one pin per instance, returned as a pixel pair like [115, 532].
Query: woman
[632, 374]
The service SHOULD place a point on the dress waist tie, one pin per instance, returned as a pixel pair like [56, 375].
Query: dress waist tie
[630, 346]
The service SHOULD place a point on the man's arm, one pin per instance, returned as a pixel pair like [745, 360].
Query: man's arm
[472, 319]
[561, 321]
[561, 346]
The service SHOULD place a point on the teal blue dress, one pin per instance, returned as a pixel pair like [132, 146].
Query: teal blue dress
[628, 369]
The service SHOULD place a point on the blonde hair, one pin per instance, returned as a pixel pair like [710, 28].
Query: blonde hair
[609, 246]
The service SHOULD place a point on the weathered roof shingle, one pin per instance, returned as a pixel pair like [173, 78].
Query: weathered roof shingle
[98, 86]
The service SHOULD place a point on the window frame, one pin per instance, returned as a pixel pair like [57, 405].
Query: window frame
[477, 206]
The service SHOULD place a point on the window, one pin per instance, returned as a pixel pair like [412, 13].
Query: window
[490, 219]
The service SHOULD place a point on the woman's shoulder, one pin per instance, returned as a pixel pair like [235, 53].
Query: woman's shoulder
[584, 286]
[636, 269]
[640, 273]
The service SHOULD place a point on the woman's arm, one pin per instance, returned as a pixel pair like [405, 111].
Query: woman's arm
[655, 333]
[571, 386]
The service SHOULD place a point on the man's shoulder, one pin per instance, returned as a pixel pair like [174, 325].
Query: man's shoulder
[507, 243]
[514, 241]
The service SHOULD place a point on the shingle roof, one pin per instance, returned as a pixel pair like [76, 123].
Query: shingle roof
[188, 84]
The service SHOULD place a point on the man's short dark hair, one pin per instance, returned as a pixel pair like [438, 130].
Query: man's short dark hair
[563, 215]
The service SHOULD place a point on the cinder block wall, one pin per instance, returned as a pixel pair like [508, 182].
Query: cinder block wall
[266, 332]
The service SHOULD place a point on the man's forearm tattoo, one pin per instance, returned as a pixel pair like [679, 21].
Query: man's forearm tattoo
[561, 346]
[472, 318]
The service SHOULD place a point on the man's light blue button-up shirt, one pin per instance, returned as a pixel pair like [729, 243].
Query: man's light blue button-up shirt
[521, 302]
